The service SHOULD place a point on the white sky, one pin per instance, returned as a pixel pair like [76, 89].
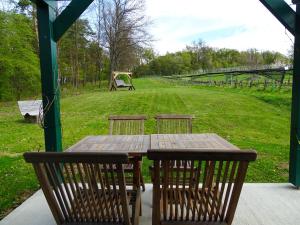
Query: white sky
[237, 24]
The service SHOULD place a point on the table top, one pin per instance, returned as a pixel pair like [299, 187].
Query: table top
[139, 144]
[190, 141]
[131, 144]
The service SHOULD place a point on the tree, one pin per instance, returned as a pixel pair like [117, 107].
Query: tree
[19, 67]
[73, 53]
[123, 31]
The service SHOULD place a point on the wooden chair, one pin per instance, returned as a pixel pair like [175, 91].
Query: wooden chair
[203, 194]
[174, 124]
[128, 125]
[86, 188]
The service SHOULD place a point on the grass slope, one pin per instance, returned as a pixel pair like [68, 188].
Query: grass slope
[256, 120]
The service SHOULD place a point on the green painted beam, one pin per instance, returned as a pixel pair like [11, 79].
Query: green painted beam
[283, 12]
[49, 75]
[70, 14]
[294, 165]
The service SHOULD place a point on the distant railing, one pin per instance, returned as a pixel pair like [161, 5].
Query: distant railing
[239, 69]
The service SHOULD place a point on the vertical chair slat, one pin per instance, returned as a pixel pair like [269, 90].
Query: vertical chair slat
[228, 191]
[224, 180]
[46, 187]
[73, 215]
[51, 175]
[213, 212]
[78, 192]
[116, 196]
[211, 169]
[57, 178]
[77, 209]
[97, 190]
[103, 187]
[177, 197]
[110, 194]
[202, 205]
[90, 210]
[91, 191]
[183, 188]
[190, 190]
[123, 195]
[242, 168]
[165, 188]
[171, 190]
[196, 198]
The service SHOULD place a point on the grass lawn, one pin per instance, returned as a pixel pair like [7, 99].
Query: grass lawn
[248, 119]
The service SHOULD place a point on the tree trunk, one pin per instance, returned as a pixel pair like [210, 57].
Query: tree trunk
[76, 57]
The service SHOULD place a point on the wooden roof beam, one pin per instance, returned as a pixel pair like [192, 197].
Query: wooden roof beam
[283, 12]
[70, 14]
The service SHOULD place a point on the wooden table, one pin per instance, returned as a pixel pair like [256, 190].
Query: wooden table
[137, 145]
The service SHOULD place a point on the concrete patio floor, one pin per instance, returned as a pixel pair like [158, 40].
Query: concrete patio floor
[260, 204]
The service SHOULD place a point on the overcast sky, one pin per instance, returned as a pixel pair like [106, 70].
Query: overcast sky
[237, 24]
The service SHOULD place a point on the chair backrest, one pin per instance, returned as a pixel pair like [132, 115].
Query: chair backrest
[204, 189]
[83, 187]
[174, 124]
[127, 125]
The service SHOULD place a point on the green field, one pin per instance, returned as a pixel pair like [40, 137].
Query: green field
[249, 119]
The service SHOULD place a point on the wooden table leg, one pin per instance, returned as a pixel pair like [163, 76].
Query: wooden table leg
[137, 182]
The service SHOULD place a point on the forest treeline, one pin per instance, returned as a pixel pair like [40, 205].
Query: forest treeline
[115, 39]
[200, 56]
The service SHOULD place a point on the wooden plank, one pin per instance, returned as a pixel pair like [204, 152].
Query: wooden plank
[173, 116]
[126, 117]
[131, 144]
[190, 141]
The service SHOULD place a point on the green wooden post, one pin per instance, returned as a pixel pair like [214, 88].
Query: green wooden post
[294, 169]
[291, 20]
[49, 75]
[51, 28]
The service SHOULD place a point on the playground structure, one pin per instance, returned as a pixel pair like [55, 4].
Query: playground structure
[120, 83]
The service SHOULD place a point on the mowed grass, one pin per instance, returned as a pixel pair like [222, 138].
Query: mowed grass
[248, 119]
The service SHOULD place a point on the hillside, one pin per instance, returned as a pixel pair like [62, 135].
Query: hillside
[256, 120]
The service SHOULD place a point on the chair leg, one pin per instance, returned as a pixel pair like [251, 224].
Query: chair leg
[137, 208]
[142, 183]
[141, 207]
